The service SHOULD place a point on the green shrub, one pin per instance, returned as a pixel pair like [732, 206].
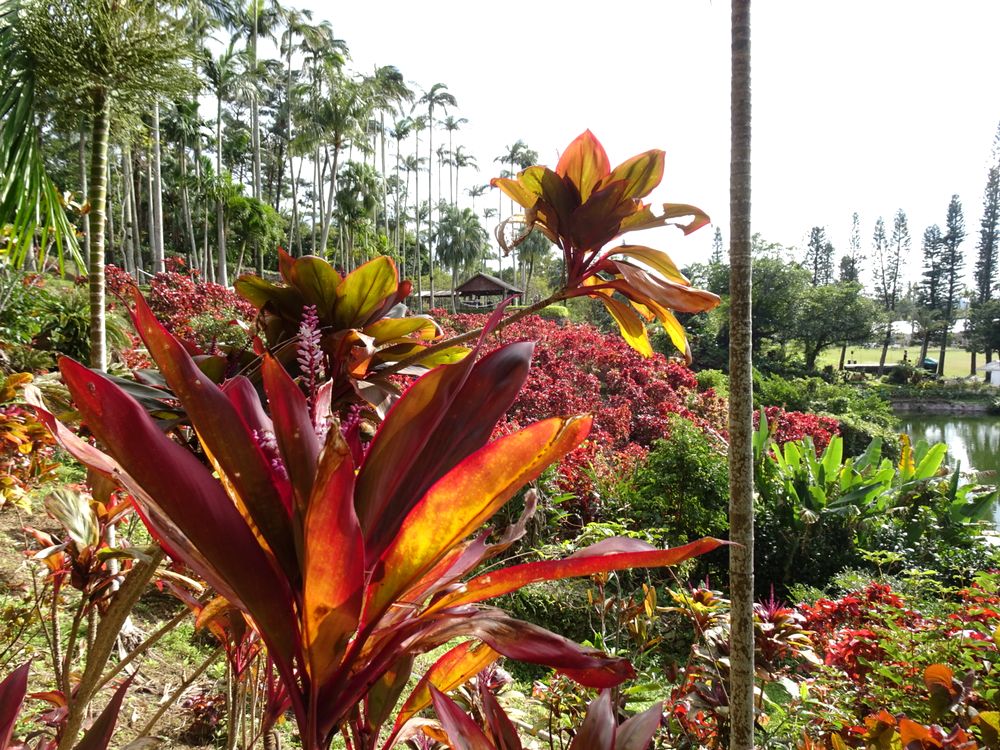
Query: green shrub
[555, 312]
[716, 379]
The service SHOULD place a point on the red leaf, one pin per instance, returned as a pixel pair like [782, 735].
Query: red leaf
[500, 726]
[637, 732]
[99, 734]
[12, 692]
[610, 554]
[598, 729]
[443, 417]
[463, 734]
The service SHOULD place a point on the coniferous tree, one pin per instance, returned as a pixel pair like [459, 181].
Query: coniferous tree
[886, 282]
[717, 248]
[929, 289]
[951, 269]
[819, 257]
[989, 240]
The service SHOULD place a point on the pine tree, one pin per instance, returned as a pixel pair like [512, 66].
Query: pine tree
[886, 282]
[951, 269]
[717, 248]
[989, 239]
[819, 257]
[929, 288]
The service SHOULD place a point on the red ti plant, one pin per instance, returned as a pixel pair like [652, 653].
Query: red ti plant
[350, 562]
[583, 205]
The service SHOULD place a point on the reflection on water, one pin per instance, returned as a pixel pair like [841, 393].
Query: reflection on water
[972, 440]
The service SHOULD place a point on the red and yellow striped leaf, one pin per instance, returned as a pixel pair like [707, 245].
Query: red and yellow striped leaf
[464, 499]
[463, 734]
[334, 562]
[611, 554]
[584, 163]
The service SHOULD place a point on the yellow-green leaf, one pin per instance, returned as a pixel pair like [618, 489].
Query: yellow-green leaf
[362, 292]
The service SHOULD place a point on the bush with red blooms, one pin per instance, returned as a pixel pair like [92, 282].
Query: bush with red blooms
[918, 668]
[179, 297]
[577, 368]
[786, 426]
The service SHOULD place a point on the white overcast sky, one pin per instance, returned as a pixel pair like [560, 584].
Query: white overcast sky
[858, 105]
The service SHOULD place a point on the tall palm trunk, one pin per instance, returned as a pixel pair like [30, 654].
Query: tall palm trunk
[741, 698]
[186, 206]
[430, 203]
[82, 159]
[128, 221]
[157, 196]
[331, 198]
[97, 195]
[222, 273]
[418, 258]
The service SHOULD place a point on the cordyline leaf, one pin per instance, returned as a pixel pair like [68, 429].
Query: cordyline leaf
[293, 429]
[527, 642]
[245, 471]
[286, 300]
[285, 263]
[318, 283]
[441, 418]
[618, 553]
[187, 507]
[699, 218]
[464, 499]
[641, 173]
[598, 729]
[637, 733]
[658, 260]
[667, 293]
[99, 734]
[453, 669]
[388, 329]
[631, 326]
[516, 190]
[584, 163]
[447, 356]
[463, 734]
[12, 692]
[501, 727]
[334, 562]
[383, 696]
[363, 291]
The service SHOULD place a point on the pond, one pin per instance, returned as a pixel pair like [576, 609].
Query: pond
[972, 439]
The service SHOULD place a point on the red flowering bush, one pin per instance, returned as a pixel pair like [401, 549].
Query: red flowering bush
[193, 310]
[576, 368]
[786, 426]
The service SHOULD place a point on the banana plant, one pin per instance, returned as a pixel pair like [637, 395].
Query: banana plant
[350, 559]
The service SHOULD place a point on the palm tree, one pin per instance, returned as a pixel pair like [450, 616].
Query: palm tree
[400, 131]
[741, 692]
[120, 51]
[226, 75]
[460, 159]
[461, 241]
[339, 117]
[476, 191]
[451, 124]
[387, 92]
[437, 96]
[30, 202]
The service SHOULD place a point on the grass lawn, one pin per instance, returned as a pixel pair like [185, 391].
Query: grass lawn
[956, 361]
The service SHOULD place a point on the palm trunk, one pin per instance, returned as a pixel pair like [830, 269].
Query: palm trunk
[186, 206]
[330, 199]
[97, 195]
[385, 182]
[221, 274]
[741, 520]
[418, 258]
[127, 218]
[430, 203]
[157, 196]
[84, 193]
[135, 187]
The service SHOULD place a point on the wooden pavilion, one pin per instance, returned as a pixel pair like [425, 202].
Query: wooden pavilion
[484, 292]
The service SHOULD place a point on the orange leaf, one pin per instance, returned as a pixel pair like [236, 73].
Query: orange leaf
[584, 163]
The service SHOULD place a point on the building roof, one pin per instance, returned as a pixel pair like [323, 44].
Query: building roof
[484, 283]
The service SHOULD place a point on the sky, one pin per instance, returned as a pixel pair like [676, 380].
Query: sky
[858, 105]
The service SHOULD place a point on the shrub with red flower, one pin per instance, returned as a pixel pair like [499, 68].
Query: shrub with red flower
[577, 368]
[786, 426]
[191, 309]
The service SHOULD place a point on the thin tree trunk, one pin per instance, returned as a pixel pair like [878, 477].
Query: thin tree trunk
[157, 196]
[150, 214]
[418, 258]
[315, 192]
[109, 210]
[972, 366]
[221, 273]
[885, 348]
[923, 348]
[741, 583]
[97, 195]
[330, 199]
[843, 355]
[127, 218]
[136, 187]
[84, 193]
[186, 205]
